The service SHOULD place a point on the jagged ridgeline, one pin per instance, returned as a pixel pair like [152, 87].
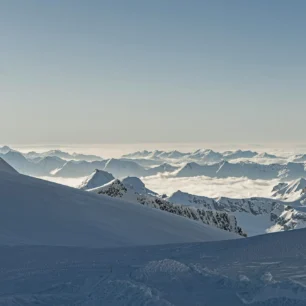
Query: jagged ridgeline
[222, 220]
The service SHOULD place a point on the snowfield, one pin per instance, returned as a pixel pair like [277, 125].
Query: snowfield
[268, 270]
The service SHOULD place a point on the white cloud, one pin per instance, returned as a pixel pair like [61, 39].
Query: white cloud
[211, 187]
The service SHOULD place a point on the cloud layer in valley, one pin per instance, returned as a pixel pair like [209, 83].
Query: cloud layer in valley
[211, 187]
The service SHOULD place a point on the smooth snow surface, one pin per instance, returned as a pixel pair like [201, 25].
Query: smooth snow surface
[268, 270]
[38, 212]
[5, 167]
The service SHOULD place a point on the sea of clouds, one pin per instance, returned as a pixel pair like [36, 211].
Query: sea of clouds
[211, 187]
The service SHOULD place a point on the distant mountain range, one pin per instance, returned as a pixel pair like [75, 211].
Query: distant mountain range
[251, 170]
[145, 163]
[203, 155]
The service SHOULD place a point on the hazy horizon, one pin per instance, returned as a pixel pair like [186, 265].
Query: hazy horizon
[115, 150]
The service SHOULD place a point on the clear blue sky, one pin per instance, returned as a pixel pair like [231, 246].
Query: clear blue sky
[132, 71]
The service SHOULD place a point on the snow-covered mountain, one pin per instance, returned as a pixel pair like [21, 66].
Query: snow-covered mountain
[63, 155]
[255, 215]
[250, 170]
[40, 166]
[228, 155]
[160, 169]
[5, 149]
[289, 219]
[122, 168]
[291, 191]
[208, 156]
[96, 179]
[267, 270]
[82, 168]
[136, 185]
[119, 168]
[156, 155]
[203, 156]
[18, 162]
[38, 212]
[134, 191]
[173, 155]
[138, 154]
[44, 166]
[300, 158]
[200, 155]
[144, 162]
[194, 169]
[266, 155]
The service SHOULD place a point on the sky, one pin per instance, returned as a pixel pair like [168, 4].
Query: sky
[134, 71]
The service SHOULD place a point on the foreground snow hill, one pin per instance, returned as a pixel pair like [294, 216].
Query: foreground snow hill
[266, 270]
[5, 167]
[38, 212]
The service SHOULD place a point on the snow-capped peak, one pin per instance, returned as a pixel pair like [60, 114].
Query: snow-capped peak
[96, 179]
[5, 149]
[290, 191]
[137, 185]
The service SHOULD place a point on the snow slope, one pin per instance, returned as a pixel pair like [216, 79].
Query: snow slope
[5, 167]
[266, 270]
[96, 179]
[38, 212]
